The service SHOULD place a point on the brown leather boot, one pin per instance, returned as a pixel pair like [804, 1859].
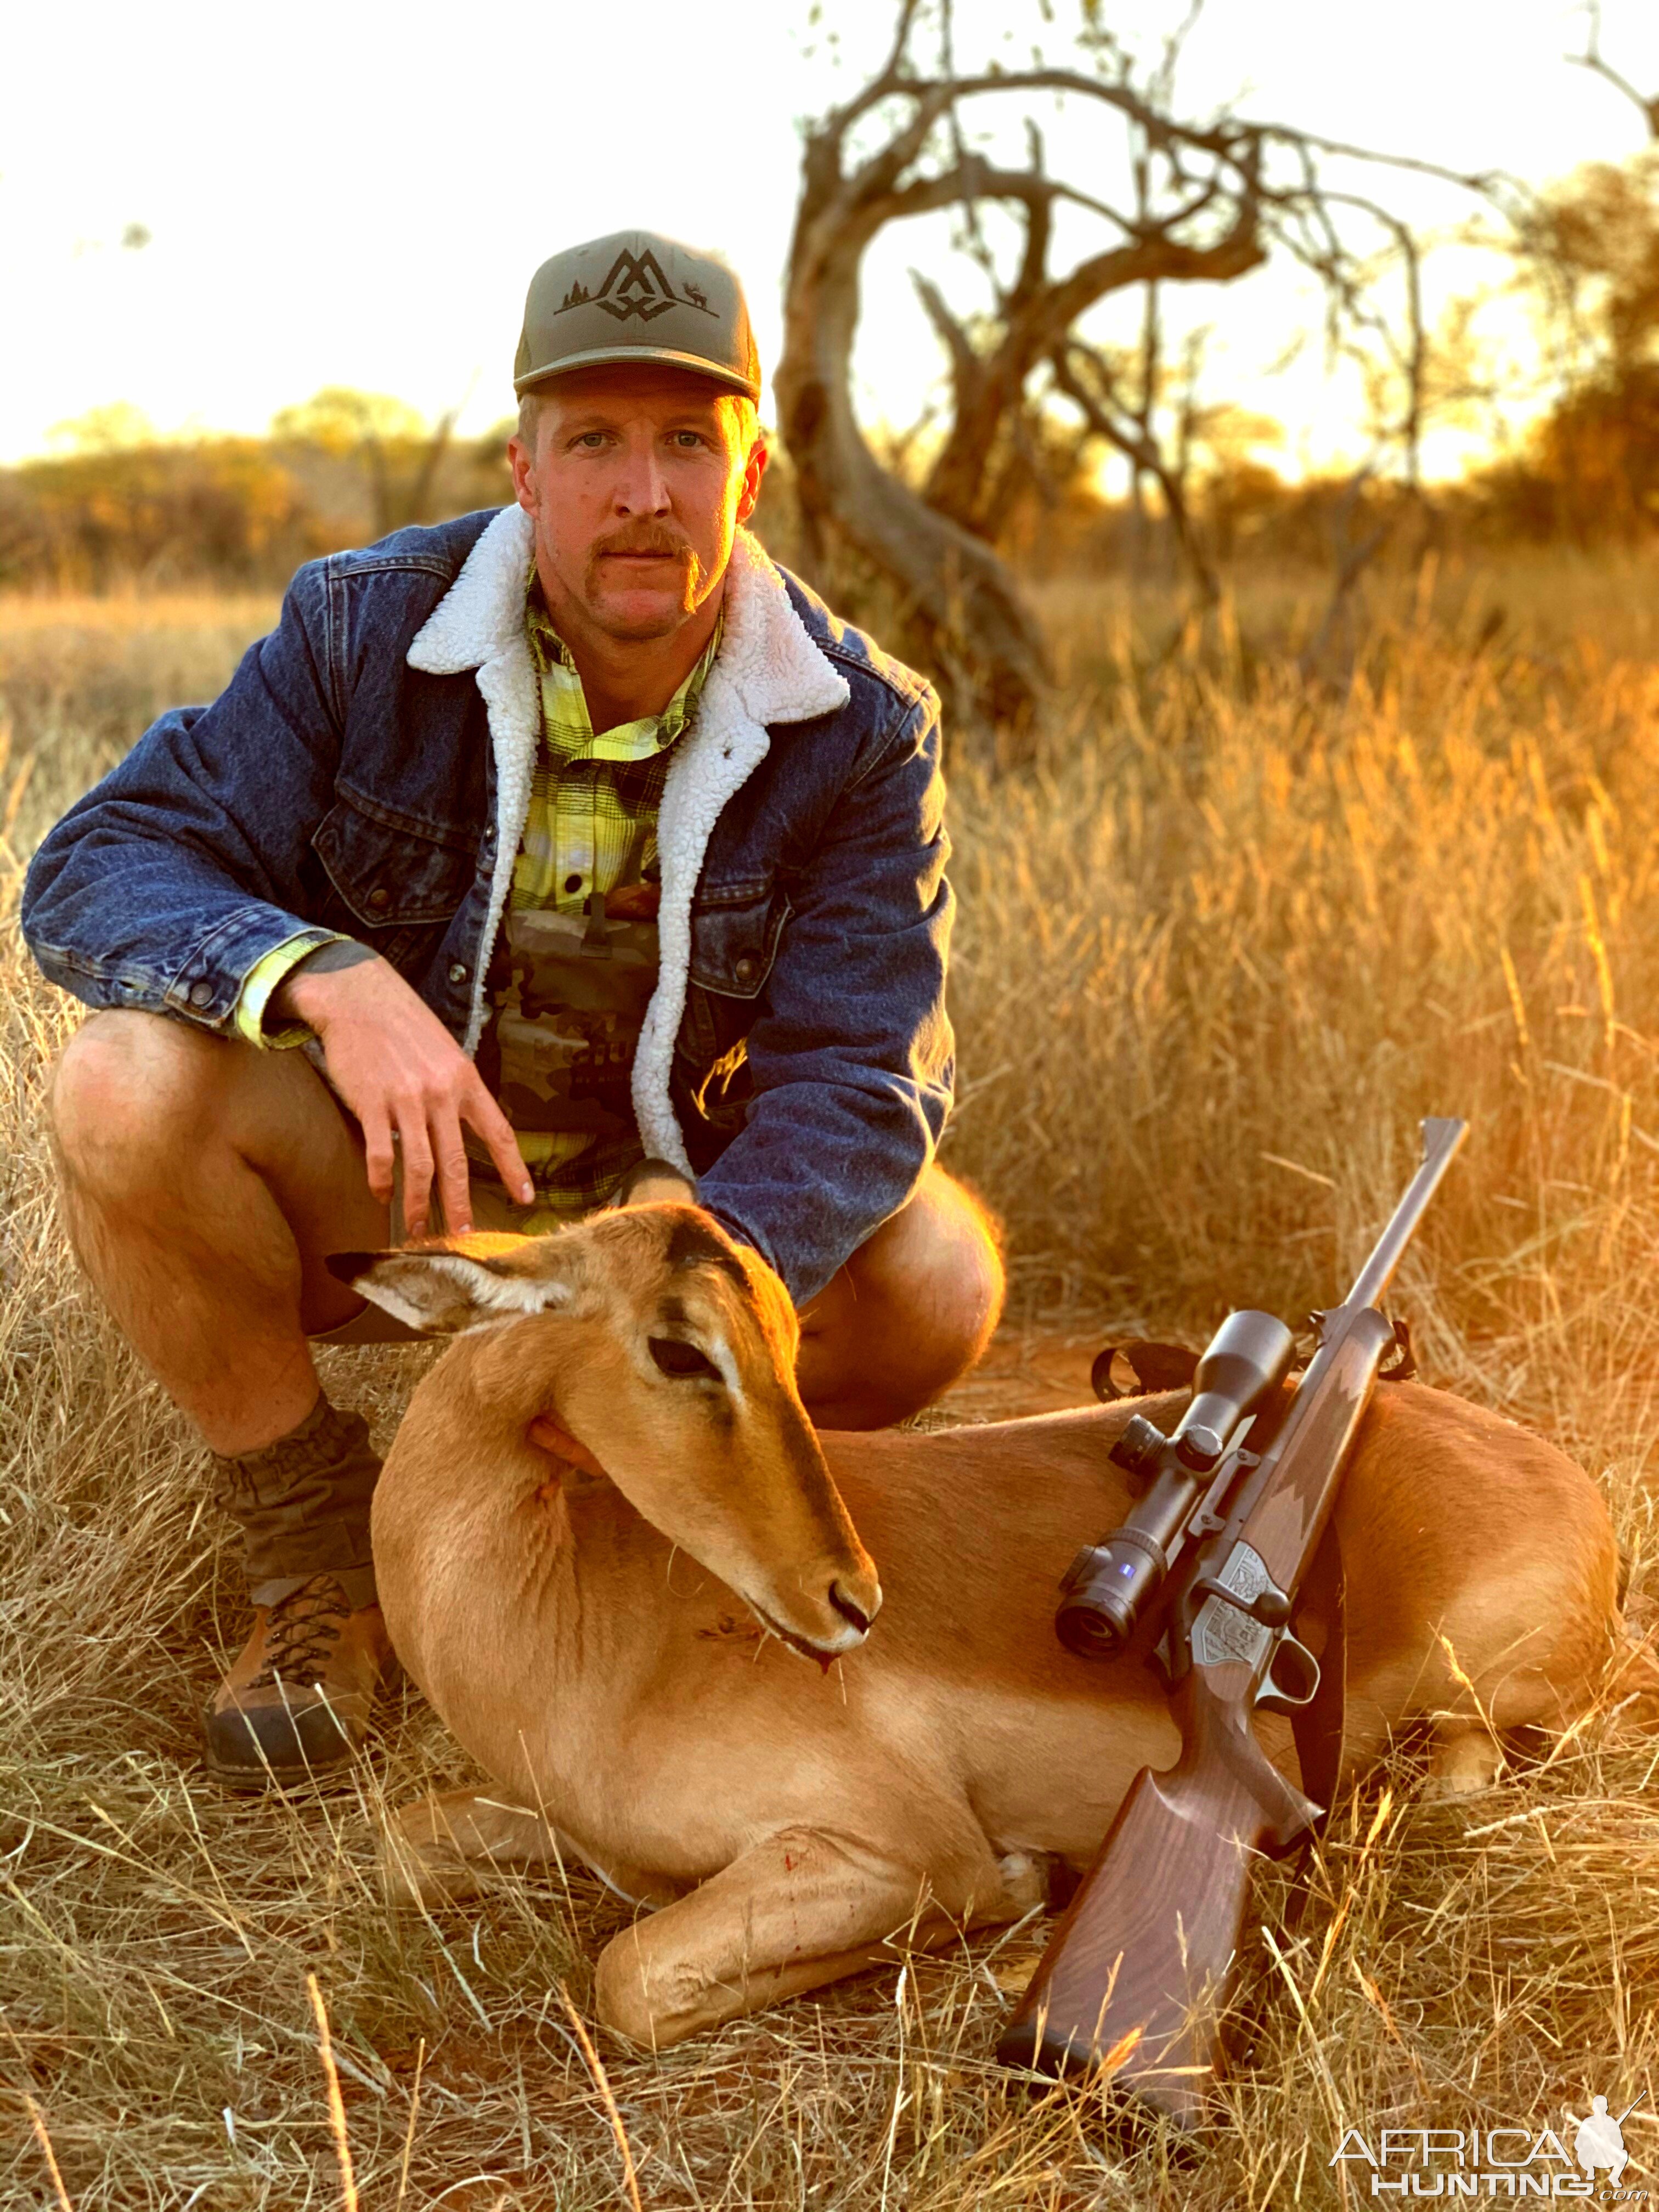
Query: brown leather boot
[297, 1702]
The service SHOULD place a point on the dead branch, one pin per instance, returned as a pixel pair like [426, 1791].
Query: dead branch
[1592, 59]
[1085, 377]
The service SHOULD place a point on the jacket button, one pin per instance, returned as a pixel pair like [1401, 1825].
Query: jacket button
[457, 972]
[380, 897]
[201, 995]
[747, 968]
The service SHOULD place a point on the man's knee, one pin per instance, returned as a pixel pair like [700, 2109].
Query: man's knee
[956, 1256]
[936, 1272]
[132, 1095]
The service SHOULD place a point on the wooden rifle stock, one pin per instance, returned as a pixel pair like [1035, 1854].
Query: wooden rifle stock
[1141, 1968]
[1136, 1977]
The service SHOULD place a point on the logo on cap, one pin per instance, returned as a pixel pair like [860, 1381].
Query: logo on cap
[634, 285]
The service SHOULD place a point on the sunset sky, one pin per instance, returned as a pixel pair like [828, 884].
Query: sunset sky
[356, 194]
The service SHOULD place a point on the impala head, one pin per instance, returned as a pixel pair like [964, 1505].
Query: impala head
[646, 1345]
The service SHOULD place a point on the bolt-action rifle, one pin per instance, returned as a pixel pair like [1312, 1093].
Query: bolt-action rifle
[1207, 1571]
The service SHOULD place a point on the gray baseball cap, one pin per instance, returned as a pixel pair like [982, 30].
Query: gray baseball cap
[635, 296]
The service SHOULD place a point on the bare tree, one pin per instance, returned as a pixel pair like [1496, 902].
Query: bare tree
[1207, 202]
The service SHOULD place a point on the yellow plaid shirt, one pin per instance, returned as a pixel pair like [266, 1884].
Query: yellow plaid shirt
[592, 820]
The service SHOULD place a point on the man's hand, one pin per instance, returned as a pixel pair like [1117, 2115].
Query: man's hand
[404, 1077]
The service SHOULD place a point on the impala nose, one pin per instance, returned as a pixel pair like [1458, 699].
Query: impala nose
[850, 1610]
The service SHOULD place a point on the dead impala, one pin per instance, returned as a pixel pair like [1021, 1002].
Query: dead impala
[606, 1531]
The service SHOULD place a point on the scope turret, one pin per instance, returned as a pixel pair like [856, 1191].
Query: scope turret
[1140, 1449]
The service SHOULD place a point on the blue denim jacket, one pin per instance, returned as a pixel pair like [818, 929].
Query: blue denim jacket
[367, 769]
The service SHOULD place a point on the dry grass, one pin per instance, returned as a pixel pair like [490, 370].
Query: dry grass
[1214, 959]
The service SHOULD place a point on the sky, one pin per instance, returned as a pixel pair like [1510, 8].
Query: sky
[354, 194]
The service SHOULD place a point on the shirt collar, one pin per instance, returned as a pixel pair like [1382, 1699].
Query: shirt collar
[568, 726]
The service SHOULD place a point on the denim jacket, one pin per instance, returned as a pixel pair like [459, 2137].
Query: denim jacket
[368, 769]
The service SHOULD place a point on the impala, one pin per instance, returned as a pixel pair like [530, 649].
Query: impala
[607, 1538]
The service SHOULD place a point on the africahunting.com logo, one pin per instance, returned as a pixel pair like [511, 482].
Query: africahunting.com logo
[1586, 2158]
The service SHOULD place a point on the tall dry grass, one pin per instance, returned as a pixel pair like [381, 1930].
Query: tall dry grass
[1216, 955]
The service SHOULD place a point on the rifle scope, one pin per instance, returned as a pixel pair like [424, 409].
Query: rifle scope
[1109, 1584]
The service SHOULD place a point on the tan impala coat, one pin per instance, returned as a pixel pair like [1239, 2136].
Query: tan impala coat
[598, 1496]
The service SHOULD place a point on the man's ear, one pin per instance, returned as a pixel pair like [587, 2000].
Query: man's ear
[522, 458]
[441, 1292]
[754, 469]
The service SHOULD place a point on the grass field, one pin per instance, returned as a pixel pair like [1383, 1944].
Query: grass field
[1217, 954]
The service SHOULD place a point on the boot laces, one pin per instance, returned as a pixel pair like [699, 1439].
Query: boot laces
[302, 1630]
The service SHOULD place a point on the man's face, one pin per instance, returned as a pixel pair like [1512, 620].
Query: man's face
[637, 483]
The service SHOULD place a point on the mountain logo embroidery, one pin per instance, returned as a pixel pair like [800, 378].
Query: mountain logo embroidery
[634, 285]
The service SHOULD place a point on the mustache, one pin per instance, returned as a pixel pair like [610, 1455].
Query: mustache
[649, 537]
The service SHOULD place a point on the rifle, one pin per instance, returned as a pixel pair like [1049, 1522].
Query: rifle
[1216, 1552]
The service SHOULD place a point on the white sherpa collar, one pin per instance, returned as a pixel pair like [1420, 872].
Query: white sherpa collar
[768, 669]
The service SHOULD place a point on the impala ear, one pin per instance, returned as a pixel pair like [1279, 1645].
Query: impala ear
[442, 1291]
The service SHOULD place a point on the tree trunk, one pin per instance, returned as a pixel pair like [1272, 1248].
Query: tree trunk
[959, 610]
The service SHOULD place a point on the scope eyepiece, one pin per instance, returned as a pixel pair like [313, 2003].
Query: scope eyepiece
[1104, 1590]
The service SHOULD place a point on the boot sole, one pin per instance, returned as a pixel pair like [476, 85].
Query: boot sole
[239, 1779]
[243, 1781]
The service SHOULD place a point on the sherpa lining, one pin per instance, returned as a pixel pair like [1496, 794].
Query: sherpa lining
[768, 670]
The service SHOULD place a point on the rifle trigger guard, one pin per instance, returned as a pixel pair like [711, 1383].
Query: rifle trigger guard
[1291, 1695]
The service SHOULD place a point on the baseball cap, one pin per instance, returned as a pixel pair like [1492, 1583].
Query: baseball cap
[636, 296]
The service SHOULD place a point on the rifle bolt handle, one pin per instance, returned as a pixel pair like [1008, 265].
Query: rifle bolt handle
[1270, 1607]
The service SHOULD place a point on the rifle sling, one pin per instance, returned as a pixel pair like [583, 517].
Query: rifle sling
[1319, 1728]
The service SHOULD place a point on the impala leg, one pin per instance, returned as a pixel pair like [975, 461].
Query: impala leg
[801, 1908]
[444, 1847]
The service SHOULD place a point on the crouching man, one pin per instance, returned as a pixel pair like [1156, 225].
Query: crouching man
[556, 840]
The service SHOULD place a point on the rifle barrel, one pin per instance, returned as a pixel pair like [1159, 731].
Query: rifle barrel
[1441, 1139]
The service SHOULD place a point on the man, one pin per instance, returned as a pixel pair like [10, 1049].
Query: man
[558, 840]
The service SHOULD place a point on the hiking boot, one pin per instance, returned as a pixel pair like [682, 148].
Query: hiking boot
[297, 1702]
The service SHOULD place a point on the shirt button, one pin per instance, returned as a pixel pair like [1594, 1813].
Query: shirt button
[200, 994]
[380, 897]
[573, 883]
[458, 972]
[746, 968]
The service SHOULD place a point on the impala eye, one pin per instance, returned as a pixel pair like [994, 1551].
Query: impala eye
[678, 1359]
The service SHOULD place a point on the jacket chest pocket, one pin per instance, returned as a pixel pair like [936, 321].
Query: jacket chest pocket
[734, 939]
[384, 881]
[734, 943]
[383, 873]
